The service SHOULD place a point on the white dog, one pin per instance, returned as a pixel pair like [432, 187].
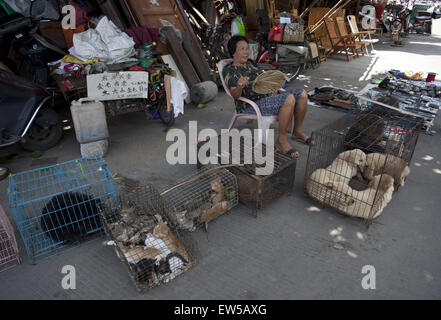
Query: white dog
[368, 203]
[342, 170]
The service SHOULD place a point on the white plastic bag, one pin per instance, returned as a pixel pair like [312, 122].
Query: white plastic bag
[106, 42]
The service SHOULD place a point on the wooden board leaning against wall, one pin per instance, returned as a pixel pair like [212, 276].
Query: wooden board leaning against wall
[315, 15]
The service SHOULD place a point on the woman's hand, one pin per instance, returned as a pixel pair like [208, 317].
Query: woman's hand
[243, 82]
[237, 90]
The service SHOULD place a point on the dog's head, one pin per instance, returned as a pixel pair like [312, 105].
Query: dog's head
[356, 157]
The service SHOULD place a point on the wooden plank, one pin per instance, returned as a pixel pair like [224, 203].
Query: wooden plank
[180, 57]
[330, 14]
[251, 6]
[209, 11]
[167, 86]
[309, 8]
[199, 61]
[192, 35]
[315, 15]
[200, 15]
[168, 59]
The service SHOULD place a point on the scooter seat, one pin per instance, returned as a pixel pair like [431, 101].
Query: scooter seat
[17, 23]
[423, 18]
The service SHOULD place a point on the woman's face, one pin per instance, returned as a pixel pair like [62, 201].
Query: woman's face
[242, 52]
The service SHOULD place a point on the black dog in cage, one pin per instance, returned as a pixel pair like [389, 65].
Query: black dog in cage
[70, 217]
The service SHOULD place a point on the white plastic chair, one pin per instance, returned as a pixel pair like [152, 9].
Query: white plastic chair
[263, 122]
[364, 34]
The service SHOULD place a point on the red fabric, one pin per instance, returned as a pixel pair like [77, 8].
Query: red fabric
[379, 9]
[137, 68]
[143, 35]
[276, 34]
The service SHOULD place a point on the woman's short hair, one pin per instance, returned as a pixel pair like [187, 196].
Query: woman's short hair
[232, 43]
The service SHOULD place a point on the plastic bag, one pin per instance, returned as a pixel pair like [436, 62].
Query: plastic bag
[41, 9]
[237, 27]
[106, 42]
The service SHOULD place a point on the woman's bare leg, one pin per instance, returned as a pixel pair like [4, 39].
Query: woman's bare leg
[286, 113]
[300, 109]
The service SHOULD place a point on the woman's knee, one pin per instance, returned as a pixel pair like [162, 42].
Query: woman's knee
[290, 100]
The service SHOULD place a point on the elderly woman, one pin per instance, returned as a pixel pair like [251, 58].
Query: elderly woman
[238, 77]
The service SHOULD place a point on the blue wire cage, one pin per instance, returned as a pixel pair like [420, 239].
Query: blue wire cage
[57, 207]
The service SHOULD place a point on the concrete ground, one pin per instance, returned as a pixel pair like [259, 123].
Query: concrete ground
[294, 249]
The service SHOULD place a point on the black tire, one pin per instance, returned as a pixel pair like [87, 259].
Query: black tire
[167, 118]
[43, 136]
[428, 27]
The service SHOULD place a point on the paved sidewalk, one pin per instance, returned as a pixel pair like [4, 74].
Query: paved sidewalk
[288, 251]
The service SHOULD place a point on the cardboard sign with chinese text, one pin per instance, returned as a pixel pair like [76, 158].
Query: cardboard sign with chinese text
[118, 85]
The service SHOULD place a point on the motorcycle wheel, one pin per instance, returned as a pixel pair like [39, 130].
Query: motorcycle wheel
[43, 136]
[428, 28]
[167, 118]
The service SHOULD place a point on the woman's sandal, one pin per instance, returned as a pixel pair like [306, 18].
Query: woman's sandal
[292, 153]
[308, 141]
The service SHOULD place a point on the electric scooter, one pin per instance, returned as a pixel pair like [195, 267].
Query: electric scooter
[26, 114]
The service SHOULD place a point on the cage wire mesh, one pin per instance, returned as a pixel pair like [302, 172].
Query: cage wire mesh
[200, 198]
[152, 251]
[360, 159]
[9, 255]
[256, 190]
[56, 207]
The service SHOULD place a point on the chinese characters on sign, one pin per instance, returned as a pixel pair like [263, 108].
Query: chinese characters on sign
[118, 85]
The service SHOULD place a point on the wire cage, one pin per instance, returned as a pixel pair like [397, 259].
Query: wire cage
[200, 198]
[360, 159]
[9, 255]
[152, 251]
[257, 191]
[56, 207]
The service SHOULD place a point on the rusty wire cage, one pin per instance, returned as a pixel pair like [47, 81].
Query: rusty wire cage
[360, 159]
[200, 198]
[257, 191]
[152, 251]
[9, 255]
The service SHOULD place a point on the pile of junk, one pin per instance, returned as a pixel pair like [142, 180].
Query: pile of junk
[55, 53]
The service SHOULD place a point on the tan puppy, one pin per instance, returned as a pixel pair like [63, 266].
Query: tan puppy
[322, 182]
[355, 156]
[377, 163]
[368, 202]
[341, 170]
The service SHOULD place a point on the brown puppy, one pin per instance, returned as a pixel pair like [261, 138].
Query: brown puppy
[378, 163]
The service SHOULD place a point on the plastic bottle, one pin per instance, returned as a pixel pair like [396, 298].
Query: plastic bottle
[89, 119]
